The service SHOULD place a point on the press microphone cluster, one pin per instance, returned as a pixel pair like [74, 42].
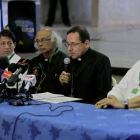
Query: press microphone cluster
[30, 80]
[10, 77]
[22, 66]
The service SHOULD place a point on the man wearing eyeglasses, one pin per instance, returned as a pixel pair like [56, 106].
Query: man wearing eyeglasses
[49, 64]
[7, 46]
[89, 74]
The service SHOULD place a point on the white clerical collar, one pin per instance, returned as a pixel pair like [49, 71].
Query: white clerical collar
[79, 59]
[46, 60]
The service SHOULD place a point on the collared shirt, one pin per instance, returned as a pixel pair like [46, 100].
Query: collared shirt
[122, 91]
[14, 59]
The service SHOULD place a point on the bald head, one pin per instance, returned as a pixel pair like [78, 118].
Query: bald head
[44, 33]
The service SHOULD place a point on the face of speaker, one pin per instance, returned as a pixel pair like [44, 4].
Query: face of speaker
[7, 46]
[76, 47]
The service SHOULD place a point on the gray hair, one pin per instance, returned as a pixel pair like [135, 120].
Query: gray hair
[56, 38]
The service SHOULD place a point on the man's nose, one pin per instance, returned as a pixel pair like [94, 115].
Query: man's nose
[7, 46]
[39, 43]
[69, 48]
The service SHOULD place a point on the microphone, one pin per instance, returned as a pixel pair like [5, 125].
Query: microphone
[12, 67]
[30, 81]
[4, 77]
[66, 63]
[4, 62]
[22, 66]
[14, 78]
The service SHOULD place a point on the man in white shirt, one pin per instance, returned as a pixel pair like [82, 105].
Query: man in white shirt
[126, 94]
[7, 46]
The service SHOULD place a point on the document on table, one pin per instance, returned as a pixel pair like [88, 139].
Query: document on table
[45, 95]
[53, 98]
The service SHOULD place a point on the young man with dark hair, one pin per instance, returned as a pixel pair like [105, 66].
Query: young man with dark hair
[7, 46]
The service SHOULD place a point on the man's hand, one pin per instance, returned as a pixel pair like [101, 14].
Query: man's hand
[107, 101]
[64, 77]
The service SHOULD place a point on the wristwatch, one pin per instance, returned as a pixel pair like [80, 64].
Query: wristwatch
[125, 103]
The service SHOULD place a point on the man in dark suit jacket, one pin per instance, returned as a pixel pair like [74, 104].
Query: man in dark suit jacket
[90, 71]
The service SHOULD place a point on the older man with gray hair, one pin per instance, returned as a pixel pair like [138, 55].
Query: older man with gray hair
[48, 65]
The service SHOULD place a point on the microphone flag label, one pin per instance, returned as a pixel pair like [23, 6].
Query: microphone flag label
[6, 75]
[30, 78]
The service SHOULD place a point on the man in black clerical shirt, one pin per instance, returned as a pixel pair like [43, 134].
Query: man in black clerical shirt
[49, 64]
[89, 75]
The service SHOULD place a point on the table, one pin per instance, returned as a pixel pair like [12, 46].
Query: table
[84, 122]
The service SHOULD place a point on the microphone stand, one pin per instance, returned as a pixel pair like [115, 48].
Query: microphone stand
[28, 96]
[18, 97]
[24, 99]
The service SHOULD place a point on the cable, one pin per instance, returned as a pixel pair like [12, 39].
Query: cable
[41, 115]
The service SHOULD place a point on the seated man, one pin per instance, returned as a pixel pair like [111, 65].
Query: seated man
[7, 46]
[126, 94]
[49, 64]
[90, 71]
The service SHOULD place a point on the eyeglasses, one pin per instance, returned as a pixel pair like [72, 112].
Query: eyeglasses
[43, 40]
[73, 45]
[3, 44]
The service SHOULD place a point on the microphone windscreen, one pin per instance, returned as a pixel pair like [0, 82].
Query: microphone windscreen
[24, 64]
[4, 62]
[66, 60]
[12, 67]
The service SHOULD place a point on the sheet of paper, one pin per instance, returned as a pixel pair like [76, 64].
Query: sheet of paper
[60, 99]
[45, 95]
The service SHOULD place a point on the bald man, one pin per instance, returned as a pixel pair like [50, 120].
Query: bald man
[49, 64]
